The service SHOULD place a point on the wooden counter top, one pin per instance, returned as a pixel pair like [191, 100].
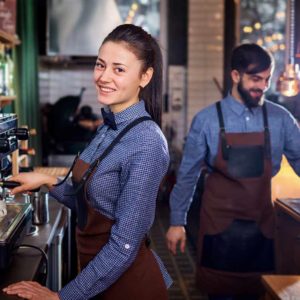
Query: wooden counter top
[282, 287]
[290, 206]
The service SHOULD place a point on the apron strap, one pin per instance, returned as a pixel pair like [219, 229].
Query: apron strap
[225, 146]
[96, 163]
[267, 132]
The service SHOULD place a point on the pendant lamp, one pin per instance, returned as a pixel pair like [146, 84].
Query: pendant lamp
[289, 82]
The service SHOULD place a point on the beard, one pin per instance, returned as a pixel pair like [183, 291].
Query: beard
[249, 100]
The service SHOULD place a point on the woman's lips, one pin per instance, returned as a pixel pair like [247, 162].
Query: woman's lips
[105, 89]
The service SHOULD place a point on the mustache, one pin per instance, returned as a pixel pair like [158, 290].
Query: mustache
[256, 90]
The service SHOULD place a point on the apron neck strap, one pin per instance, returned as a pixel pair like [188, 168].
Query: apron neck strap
[225, 146]
[267, 132]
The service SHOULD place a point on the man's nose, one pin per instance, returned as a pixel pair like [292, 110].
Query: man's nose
[263, 85]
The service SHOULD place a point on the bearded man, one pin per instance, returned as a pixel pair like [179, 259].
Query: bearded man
[240, 140]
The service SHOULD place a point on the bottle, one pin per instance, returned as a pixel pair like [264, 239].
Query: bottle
[9, 72]
[2, 71]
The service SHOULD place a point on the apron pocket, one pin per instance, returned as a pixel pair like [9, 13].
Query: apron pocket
[240, 248]
[245, 161]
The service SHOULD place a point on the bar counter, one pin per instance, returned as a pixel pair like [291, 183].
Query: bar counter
[288, 236]
[26, 262]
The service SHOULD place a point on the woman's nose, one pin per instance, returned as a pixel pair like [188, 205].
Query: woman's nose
[103, 75]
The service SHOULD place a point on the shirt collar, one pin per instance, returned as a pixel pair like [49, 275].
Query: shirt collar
[132, 112]
[238, 107]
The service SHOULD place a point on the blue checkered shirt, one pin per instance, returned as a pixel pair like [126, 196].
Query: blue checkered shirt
[124, 188]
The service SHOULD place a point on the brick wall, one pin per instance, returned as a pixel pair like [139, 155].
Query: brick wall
[205, 54]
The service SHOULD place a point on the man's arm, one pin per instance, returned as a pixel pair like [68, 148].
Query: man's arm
[292, 142]
[181, 197]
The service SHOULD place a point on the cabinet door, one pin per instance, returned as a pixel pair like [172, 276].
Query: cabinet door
[287, 244]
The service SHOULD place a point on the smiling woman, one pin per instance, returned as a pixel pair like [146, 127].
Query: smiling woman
[115, 180]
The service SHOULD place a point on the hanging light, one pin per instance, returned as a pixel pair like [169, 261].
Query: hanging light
[289, 81]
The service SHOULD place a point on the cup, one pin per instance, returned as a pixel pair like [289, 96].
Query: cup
[40, 205]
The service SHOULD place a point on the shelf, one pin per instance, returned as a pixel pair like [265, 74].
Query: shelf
[6, 100]
[7, 38]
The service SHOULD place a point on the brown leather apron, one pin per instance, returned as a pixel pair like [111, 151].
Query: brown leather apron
[237, 220]
[143, 279]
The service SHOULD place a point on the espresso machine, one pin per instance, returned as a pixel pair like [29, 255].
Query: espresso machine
[15, 217]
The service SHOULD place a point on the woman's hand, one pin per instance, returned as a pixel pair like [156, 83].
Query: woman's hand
[30, 290]
[31, 181]
[176, 235]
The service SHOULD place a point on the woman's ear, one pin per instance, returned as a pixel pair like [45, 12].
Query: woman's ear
[235, 76]
[146, 77]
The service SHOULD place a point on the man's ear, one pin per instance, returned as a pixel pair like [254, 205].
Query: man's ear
[235, 76]
[146, 77]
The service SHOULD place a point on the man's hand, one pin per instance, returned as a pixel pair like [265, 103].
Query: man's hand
[30, 290]
[176, 235]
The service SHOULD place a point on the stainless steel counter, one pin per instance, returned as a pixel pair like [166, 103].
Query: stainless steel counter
[26, 262]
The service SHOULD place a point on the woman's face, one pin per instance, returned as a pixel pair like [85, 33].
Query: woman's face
[118, 77]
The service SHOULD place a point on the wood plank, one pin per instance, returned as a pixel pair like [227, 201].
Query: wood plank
[282, 287]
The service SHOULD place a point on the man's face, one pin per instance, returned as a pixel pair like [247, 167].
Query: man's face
[251, 87]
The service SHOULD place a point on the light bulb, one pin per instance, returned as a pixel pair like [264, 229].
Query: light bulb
[288, 82]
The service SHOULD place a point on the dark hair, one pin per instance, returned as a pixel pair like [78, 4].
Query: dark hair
[146, 49]
[251, 59]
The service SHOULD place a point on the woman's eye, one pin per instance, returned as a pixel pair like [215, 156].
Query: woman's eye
[119, 70]
[99, 65]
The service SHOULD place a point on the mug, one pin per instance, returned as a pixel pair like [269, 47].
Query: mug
[40, 205]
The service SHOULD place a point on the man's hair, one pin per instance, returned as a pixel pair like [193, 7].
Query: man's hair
[251, 59]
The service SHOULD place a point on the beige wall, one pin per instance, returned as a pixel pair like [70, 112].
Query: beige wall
[205, 54]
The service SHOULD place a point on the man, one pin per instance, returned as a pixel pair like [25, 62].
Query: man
[241, 140]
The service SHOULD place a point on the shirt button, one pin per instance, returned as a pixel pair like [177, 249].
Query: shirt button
[127, 246]
[103, 135]
[247, 118]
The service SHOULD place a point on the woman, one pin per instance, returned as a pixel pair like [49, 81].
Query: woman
[114, 188]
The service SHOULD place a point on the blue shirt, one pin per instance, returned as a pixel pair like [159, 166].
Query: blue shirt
[124, 188]
[202, 145]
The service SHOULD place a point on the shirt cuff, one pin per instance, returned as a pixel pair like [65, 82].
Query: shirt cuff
[178, 218]
[63, 193]
[70, 292]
